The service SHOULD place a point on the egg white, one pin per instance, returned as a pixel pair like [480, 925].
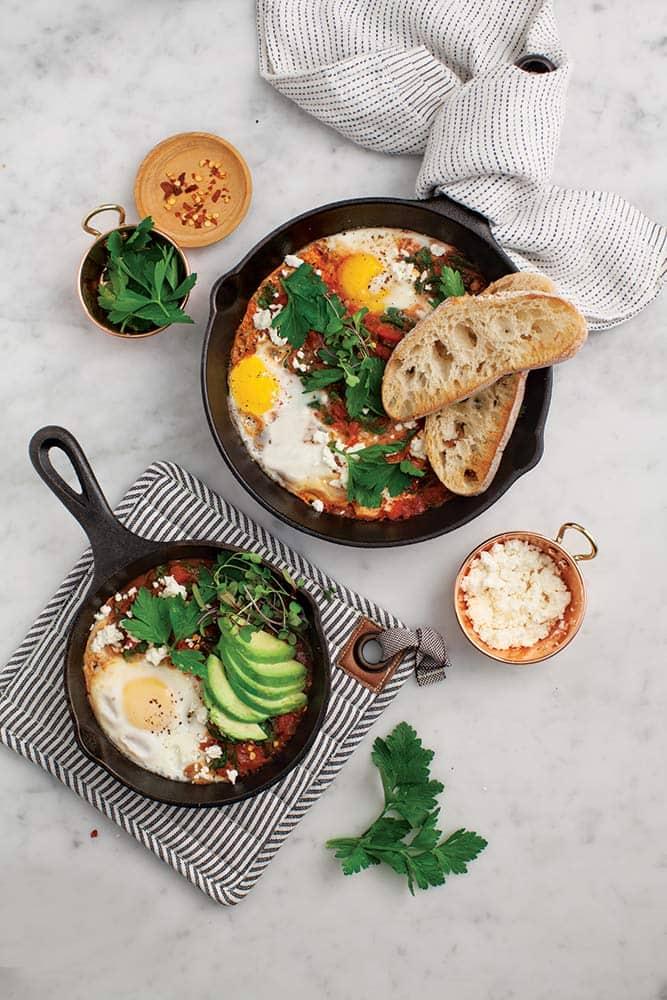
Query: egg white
[292, 446]
[172, 745]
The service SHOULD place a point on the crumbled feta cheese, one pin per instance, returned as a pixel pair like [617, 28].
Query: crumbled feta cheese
[172, 588]
[276, 295]
[409, 425]
[118, 597]
[423, 276]
[321, 437]
[398, 427]
[155, 584]
[359, 446]
[329, 458]
[276, 339]
[292, 260]
[405, 253]
[514, 594]
[156, 654]
[275, 308]
[344, 476]
[437, 251]
[318, 272]
[403, 270]
[417, 446]
[261, 319]
[103, 612]
[232, 774]
[299, 365]
[110, 635]
[213, 752]
[317, 505]
[365, 411]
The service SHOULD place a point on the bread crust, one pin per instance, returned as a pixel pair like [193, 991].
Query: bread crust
[469, 342]
[465, 441]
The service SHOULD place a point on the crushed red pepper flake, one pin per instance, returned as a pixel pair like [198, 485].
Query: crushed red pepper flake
[195, 212]
[93, 834]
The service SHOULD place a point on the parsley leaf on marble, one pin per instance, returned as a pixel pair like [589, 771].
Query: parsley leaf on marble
[405, 836]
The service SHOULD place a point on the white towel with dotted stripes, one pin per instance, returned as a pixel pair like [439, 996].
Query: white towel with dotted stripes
[437, 77]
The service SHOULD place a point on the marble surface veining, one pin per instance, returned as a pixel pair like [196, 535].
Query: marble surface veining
[561, 766]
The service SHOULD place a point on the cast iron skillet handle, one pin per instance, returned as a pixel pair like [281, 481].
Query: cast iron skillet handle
[459, 213]
[113, 545]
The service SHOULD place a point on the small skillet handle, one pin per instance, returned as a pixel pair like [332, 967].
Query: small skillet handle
[113, 545]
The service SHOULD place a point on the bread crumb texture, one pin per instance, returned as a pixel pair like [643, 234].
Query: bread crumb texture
[514, 594]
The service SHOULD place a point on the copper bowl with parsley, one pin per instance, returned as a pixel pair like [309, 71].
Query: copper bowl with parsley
[134, 281]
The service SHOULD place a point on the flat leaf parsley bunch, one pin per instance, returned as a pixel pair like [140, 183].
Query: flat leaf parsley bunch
[143, 286]
[405, 835]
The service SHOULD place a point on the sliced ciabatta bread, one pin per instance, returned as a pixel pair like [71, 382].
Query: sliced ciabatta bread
[521, 281]
[469, 342]
[465, 441]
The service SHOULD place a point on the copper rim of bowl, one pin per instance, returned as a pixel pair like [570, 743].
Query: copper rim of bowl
[566, 564]
[99, 240]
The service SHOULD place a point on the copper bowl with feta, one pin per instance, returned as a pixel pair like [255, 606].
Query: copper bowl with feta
[520, 597]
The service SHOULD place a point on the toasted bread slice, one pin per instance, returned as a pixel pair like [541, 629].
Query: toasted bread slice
[521, 281]
[469, 342]
[465, 441]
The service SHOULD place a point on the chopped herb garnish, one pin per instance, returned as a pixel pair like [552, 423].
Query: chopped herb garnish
[399, 319]
[405, 834]
[370, 474]
[165, 621]
[267, 296]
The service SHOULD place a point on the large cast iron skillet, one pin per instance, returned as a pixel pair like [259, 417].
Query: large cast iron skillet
[440, 218]
[119, 555]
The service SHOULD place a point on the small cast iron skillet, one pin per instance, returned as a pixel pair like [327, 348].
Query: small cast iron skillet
[444, 220]
[119, 556]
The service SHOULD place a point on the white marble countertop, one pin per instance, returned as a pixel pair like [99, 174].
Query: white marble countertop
[561, 766]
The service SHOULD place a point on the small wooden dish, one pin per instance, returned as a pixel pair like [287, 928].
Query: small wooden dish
[564, 631]
[194, 154]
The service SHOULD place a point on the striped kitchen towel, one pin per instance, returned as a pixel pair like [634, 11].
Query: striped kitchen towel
[437, 77]
[221, 850]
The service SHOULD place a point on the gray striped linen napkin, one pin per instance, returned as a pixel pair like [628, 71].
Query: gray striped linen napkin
[165, 503]
[437, 77]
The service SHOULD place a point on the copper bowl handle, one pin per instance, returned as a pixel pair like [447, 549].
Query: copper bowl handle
[579, 556]
[102, 208]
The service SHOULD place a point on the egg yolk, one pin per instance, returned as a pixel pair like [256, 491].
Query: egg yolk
[252, 387]
[147, 704]
[355, 275]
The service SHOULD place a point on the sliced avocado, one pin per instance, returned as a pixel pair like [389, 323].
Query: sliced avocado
[260, 647]
[224, 697]
[287, 674]
[253, 683]
[280, 705]
[234, 728]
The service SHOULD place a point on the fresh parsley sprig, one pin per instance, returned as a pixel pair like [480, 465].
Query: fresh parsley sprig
[405, 835]
[143, 284]
[370, 474]
[166, 621]
[347, 356]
